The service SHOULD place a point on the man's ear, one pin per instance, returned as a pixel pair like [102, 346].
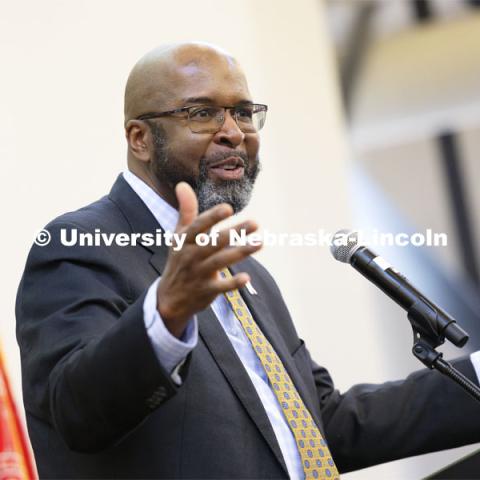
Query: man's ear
[137, 134]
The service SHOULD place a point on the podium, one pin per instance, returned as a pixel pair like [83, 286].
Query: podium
[467, 468]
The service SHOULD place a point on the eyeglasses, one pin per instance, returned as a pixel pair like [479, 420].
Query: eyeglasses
[249, 117]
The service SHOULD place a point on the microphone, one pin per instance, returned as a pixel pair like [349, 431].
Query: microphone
[427, 318]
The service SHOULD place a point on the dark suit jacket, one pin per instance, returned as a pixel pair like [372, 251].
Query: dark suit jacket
[99, 405]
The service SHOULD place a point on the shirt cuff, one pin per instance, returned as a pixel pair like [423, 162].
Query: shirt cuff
[170, 351]
[475, 359]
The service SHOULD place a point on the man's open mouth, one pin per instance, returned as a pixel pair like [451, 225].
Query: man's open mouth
[231, 168]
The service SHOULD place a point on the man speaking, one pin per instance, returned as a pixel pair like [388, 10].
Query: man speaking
[141, 361]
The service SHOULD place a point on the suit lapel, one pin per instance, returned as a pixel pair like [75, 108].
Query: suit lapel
[222, 351]
[140, 218]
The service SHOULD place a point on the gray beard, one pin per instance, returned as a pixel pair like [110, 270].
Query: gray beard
[237, 193]
[209, 192]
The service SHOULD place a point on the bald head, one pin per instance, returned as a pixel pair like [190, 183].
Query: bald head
[165, 76]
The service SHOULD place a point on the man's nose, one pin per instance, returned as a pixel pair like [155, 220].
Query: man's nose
[230, 133]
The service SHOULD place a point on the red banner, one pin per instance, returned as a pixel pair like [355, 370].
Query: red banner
[15, 460]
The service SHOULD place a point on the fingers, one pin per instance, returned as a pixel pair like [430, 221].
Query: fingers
[187, 204]
[224, 237]
[226, 257]
[217, 255]
[206, 220]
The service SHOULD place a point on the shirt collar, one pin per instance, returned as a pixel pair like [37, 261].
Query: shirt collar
[164, 213]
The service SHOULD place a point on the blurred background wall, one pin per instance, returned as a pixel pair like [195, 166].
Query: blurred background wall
[410, 83]
[365, 111]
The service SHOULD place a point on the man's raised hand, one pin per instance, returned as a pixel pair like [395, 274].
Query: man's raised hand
[190, 281]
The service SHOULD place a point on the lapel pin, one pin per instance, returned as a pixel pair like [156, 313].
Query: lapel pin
[250, 289]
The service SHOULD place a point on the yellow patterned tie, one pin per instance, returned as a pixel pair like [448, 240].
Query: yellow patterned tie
[317, 461]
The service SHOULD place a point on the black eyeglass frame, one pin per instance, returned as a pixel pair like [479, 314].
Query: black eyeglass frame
[257, 107]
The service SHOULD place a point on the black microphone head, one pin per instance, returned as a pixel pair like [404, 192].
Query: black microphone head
[344, 245]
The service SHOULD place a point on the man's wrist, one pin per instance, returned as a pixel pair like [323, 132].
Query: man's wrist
[170, 350]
